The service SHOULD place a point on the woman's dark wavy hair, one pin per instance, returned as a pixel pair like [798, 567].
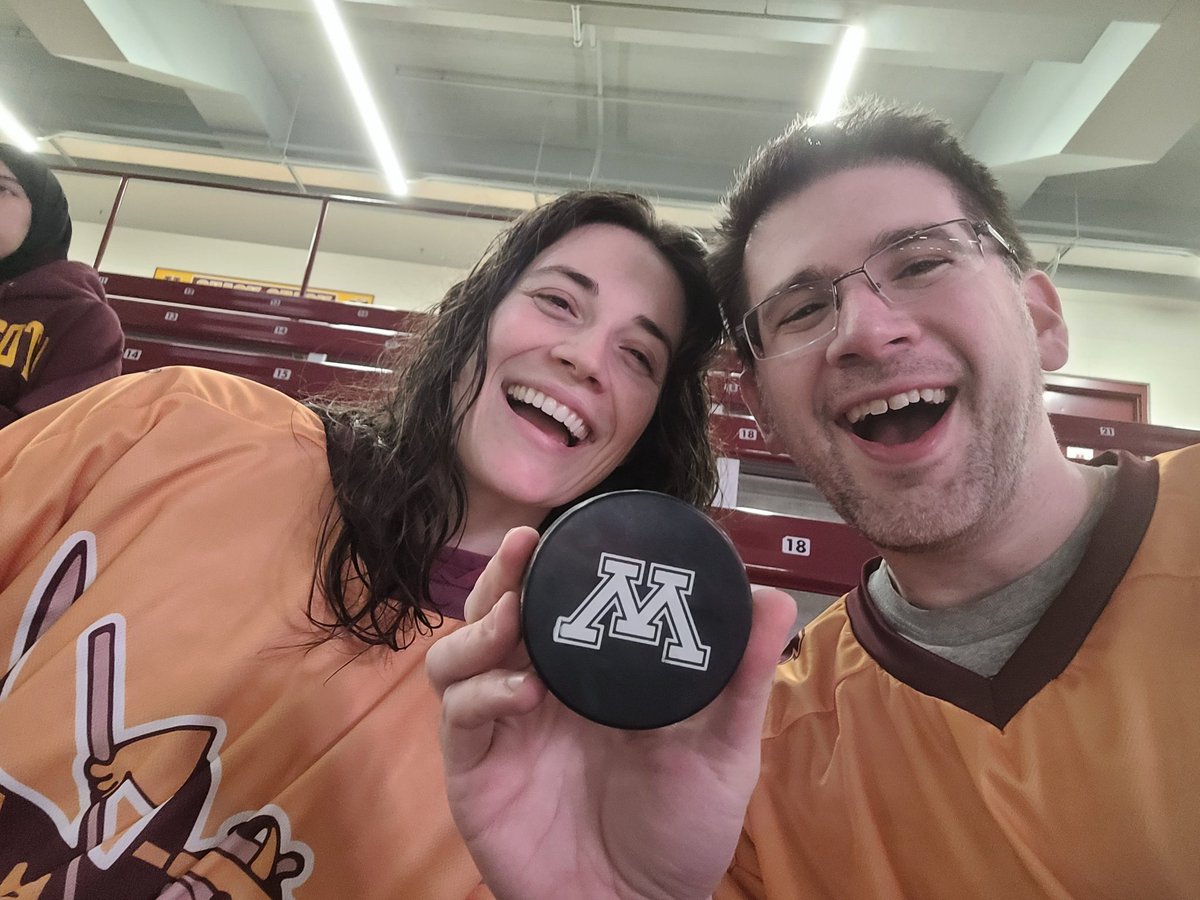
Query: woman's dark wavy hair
[869, 131]
[399, 494]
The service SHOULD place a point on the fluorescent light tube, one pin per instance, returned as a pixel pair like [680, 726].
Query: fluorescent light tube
[839, 76]
[352, 71]
[16, 132]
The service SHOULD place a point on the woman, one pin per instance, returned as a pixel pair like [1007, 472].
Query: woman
[207, 737]
[57, 333]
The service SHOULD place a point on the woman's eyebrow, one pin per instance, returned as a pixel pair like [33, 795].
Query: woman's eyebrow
[575, 275]
[651, 327]
[589, 284]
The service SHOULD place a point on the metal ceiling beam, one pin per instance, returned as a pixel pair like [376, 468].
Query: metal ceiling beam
[1127, 103]
[1106, 10]
[717, 26]
[202, 49]
[698, 103]
[966, 35]
[1157, 100]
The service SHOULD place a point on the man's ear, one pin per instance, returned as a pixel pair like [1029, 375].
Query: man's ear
[1045, 308]
[748, 383]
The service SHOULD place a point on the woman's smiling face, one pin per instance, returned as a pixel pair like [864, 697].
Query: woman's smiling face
[577, 353]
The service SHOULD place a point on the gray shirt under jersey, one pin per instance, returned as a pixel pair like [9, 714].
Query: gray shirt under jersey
[982, 634]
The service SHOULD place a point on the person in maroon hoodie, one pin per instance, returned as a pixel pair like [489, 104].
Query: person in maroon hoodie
[58, 335]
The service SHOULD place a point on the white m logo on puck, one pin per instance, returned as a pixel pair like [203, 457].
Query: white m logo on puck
[632, 619]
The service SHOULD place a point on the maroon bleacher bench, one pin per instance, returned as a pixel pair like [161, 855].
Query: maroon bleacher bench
[300, 346]
[794, 553]
[248, 301]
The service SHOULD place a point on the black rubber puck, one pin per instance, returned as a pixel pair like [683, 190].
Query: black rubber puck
[636, 609]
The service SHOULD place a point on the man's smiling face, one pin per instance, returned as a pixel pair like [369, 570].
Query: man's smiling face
[913, 420]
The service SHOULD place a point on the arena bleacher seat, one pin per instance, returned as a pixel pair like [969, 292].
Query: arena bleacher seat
[299, 346]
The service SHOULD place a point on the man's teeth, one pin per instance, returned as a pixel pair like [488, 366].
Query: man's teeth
[551, 407]
[878, 407]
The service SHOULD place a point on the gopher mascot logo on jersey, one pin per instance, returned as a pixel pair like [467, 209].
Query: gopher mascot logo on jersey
[136, 826]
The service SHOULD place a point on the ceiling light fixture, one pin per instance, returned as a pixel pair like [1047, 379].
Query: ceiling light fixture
[839, 76]
[15, 131]
[352, 71]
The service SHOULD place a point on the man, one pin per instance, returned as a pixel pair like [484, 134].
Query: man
[1005, 707]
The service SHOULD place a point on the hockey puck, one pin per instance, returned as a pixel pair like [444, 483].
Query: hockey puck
[636, 609]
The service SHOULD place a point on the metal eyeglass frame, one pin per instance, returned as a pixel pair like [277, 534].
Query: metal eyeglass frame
[980, 228]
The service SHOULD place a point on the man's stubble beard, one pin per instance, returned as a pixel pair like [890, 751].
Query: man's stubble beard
[916, 516]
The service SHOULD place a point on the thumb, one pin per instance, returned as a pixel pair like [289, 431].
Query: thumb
[502, 573]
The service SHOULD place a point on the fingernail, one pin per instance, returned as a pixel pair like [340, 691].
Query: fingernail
[515, 681]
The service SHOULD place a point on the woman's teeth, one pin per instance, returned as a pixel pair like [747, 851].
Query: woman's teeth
[551, 407]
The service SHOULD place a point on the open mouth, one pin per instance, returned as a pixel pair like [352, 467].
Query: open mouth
[900, 419]
[548, 415]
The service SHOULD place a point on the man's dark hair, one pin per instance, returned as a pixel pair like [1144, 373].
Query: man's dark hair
[398, 486]
[870, 131]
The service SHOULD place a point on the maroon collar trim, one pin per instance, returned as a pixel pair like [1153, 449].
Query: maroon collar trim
[1052, 644]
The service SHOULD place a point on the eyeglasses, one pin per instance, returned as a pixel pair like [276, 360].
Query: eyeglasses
[935, 261]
